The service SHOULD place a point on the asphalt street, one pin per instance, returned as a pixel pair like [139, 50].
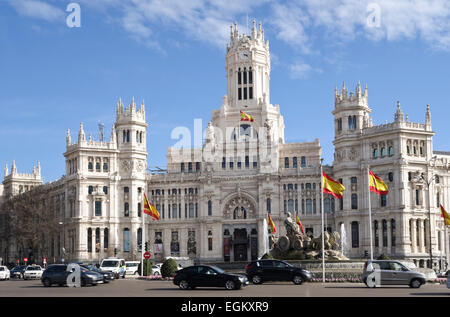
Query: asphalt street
[143, 288]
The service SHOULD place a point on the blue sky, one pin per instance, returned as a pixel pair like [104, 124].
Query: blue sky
[172, 54]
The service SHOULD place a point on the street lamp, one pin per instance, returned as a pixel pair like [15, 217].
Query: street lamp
[63, 249]
[420, 178]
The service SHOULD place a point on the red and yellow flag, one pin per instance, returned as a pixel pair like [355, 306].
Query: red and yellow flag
[376, 185]
[246, 117]
[446, 216]
[330, 186]
[150, 209]
[271, 224]
[299, 224]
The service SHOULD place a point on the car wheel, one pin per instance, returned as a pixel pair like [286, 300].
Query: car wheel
[47, 282]
[229, 285]
[415, 283]
[298, 280]
[256, 279]
[184, 285]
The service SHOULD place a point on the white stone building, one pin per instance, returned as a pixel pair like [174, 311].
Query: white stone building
[213, 199]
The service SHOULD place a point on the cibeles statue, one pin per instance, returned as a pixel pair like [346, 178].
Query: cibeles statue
[296, 245]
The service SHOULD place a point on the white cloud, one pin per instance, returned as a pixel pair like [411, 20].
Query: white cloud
[301, 70]
[38, 10]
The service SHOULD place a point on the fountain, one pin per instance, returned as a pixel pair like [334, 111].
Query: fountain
[343, 239]
[265, 237]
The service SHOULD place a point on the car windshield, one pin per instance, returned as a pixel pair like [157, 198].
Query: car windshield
[132, 264]
[2, 268]
[110, 263]
[218, 270]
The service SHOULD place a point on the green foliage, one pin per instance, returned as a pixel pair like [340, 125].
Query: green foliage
[267, 256]
[147, 268]
[383, 257]
[168, 268]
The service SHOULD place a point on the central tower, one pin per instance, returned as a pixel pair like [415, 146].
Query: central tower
[248, 68]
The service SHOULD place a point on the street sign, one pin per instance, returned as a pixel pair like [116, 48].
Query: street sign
[45, 260]
[25, 259]
[147, 255]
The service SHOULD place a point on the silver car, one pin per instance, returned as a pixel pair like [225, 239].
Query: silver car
[387, 272]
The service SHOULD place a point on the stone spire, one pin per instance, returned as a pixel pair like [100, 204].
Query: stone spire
[68, 138]
[358, 89]
[254, 29]
[399, 114]
[428, 116]
[344, 90]
[14, 168]
[38, 170]
[81, 134]
[112, 137]
[6, 169]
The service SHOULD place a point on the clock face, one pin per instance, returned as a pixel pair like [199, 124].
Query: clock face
[244, 55]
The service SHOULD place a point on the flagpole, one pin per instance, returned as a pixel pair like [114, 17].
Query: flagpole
[142, 241]
[322, 212]
[370, 212]
[447, 246]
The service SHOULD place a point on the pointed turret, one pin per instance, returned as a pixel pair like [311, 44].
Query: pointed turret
[428, 118]
[14, 168]
[398, 114]
[254, 29]
[81, 134]
[68, 138]
[38, 168]
[112, 137]
[6, 169]
[358, 89]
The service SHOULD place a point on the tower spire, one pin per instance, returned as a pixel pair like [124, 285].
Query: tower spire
[6, 169]
[14, 168]
[81, 135]
[399, 114]
[428, 116]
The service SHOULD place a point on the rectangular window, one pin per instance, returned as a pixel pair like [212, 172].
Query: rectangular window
[182, 167]
[247, 162]
[239, 78]
[268, 205]
[245, 93]
[224, 162]
[250, 92]
[98, 208]
[383, 201]
[190, 167]
[239, 93]
[210, 244]
[197, 166]
[355, 234]
[294, 162]
[245, 77]
[354, 201]
[139, 209]
[286, 162]
[250, 76]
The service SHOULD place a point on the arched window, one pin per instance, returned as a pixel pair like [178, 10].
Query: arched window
[239, 76]
[391, 176]
[245, 77]
[126, 210]
[90, 190]
[191, 210]
[250, 76]
[139, 238]
[90, 166]
[391, 151]
[308, 206]
[393, 232]
[126, 240]
[105, 190]
[383, 151]
[97, 240]
[355, 234]
[89, 240]
[385, 238]
[106, 238]
[174, 211]
[375, 153]
[375, 226]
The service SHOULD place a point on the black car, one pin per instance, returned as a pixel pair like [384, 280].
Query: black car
[274, 270]
[207, 276]
[107, 276]
[57, 274]
[17, 271]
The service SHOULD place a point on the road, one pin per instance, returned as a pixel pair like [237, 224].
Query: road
[141, 288]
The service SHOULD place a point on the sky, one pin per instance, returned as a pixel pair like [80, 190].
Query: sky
[172, 55]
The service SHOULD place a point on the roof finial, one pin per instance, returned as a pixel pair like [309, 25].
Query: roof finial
[428, 116]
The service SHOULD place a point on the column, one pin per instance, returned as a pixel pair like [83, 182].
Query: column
[183, 240]
[413, 235]
[421, 236]
[93, 243]
[102, 246]
[380, 236]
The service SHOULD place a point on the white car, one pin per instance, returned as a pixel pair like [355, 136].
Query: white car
[114, 265]
[4, 273]
[156, 270]
[132, 267]
[33, 272]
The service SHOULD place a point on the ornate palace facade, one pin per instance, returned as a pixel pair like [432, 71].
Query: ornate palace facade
[213, 200]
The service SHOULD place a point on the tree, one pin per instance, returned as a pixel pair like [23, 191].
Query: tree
[169, 267]
[147, 268]
[32, 222]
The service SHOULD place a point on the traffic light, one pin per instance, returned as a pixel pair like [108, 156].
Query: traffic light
[146, 246]
[115, 251]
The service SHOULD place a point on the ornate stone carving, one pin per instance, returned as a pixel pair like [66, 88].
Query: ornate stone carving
[233, 209]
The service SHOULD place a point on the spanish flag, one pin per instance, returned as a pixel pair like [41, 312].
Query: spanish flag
[330, 186]
[299, 224]
[446, 216]
[246, 117]
[149, 209]
[271, 224]
[376, 185]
